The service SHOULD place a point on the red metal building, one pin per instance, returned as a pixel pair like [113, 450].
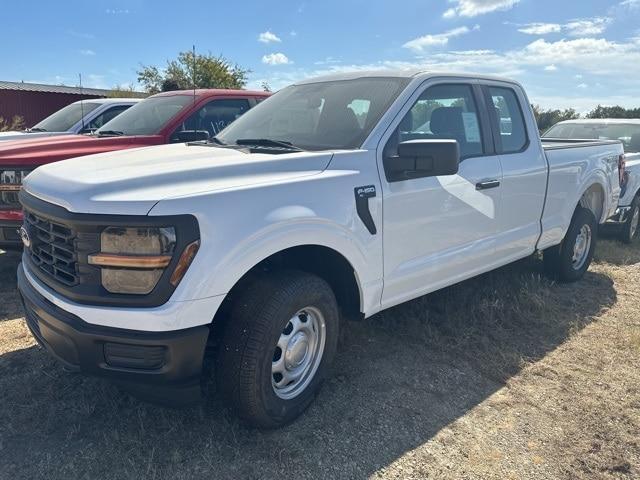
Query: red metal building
[34, 101]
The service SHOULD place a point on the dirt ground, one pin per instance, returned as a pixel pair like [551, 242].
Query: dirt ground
[507, 376]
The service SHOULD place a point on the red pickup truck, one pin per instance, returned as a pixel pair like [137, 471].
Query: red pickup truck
[170, 117]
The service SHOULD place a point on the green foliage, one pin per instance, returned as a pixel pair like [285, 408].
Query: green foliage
[548, 118]
[421, 112]
[15, 123]
[614, 112]
[187, 71]
[124, 91]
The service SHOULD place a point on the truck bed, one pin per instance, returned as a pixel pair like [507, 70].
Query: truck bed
[558, 143]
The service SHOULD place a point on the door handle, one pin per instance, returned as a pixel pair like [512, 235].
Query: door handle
[487, 184]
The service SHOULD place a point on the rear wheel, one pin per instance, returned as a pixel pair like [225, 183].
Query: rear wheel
[630, 228]
[569, 261]
[278, 346]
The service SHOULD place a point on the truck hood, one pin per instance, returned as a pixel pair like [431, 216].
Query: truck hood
[32, 152]
[131, 182]
[6, 136]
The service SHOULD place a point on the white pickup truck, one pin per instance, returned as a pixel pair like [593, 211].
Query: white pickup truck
[83, 116]
[335, 198]
[626, 220]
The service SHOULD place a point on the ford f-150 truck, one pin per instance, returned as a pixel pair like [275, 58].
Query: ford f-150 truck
[626, 220]
[163, 118]
[83, 116]
[335, 198]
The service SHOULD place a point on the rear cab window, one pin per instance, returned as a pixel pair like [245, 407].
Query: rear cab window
[508, 120]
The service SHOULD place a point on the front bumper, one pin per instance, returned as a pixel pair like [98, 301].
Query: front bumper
[163, 367]
[620, 217]
[9, 236]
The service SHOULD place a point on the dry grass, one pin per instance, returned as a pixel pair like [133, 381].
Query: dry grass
[504, 376]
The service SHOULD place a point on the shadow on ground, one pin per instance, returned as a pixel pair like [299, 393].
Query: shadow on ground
[10, 305]
[401, 376]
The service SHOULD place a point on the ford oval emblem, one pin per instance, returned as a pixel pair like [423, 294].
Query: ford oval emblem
[24, 235]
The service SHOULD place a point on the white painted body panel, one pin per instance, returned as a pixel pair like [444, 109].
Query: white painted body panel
[571, 172]
[633, 185]
[432, 232]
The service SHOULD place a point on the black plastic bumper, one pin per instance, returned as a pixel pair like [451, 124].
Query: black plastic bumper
[162, 367]
[9, 236]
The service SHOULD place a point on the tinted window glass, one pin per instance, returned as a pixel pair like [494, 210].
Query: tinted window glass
[628, 134]
[215, 116]
[442, 112]
[64, 119]
[106, 116]
[513, 132]
[319, 116]
[149, 116]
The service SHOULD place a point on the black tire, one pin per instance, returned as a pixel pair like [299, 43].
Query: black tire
[258, 318]
[629, 231]
[558, 260]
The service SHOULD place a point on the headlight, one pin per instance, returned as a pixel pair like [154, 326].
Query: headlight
[133, 259]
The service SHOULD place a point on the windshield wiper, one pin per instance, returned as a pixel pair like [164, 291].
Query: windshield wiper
[266, 142]
[109, 133]
[216, 140]
[36, 129]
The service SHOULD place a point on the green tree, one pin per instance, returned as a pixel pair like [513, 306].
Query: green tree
[187, 71]
[547, 118]
[11, 124]
[614, 112]
[125, 91]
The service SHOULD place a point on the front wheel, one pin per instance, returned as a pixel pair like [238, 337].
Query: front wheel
[569, 261]
[277, 348]
[630, 228]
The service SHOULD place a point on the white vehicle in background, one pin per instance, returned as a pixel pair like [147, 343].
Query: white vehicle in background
[627, 216]
[83, 116]
[334, 198]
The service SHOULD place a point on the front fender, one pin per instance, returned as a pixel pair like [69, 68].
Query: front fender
[241, 228]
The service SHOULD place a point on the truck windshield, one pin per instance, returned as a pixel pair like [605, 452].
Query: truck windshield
[318, 116]
[628, 134]
[147, 117]
[65, 118]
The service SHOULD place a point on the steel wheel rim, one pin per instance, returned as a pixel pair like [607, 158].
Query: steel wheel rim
[298, 353]
[635, 221]
[581, 247]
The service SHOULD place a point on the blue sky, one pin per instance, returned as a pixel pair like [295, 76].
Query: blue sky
[566, 53]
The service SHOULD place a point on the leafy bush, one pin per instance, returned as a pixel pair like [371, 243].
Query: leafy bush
[15, 123]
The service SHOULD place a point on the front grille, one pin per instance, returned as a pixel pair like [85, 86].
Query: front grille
[10, 183]
[52, 248]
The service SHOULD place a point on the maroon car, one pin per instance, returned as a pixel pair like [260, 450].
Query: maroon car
[170, 117]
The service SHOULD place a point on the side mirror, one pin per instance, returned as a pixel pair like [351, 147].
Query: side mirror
[423, 158]
[190, 136]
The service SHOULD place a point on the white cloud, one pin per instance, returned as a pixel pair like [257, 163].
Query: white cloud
[599, 60]
[581, 27]
[268, 37]
[583, 85]
[587, 26]
[293, 33]
[327, 61]
[418, 45]
[117, 11]
[631, 4]
[276, 59]
[540, 28]
[87, 52]
[473, 8]
[550, 68]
